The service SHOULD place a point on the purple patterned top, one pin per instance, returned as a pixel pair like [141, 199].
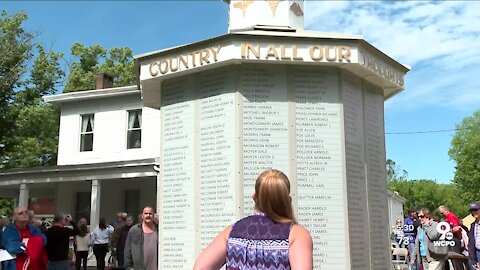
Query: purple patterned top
[257, 242]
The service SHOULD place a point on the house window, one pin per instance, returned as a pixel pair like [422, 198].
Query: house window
[134, 129]
[86, 134]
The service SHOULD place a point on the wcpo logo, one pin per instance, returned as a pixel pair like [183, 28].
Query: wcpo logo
[446, 236]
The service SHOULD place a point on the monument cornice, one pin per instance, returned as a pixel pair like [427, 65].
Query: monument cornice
[348, 52]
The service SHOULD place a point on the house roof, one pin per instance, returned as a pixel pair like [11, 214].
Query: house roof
[81, 172]
[92, 94]
[396, 195]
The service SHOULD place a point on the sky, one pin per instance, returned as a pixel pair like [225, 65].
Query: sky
[439, 40]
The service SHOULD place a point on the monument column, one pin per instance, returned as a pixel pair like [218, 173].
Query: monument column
[95, 203]
[23, 195]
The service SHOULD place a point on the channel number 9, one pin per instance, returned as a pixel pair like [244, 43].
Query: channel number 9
[443, 228]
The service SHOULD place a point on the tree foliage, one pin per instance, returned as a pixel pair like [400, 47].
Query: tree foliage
[28, 126]
[118, 63]
[465, 151]
[425, 192]
[429, 193]
[6, 207]
[394, 172]
[29, 136]
[15, 52]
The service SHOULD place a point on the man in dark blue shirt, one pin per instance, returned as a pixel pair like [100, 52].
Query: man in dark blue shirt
[410, 225]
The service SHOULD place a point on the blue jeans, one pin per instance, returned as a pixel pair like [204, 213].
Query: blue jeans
[58, 265]
[411, 249]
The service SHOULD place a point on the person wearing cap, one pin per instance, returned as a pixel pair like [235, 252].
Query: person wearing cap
[474, 236]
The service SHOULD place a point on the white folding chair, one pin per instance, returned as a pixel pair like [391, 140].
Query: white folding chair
[394, 244]
[401, 258]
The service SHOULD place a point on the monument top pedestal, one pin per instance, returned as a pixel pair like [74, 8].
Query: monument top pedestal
[277, 14]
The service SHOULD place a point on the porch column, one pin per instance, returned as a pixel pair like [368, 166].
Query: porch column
[95, 204]
[23, 196]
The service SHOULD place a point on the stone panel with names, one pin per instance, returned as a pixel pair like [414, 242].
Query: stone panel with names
[319, 163]
[217, 153]
[355, 170]
[265, 124]
[177, 222]
[376, 183]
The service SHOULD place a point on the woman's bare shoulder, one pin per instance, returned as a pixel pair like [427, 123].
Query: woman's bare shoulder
[299, 232]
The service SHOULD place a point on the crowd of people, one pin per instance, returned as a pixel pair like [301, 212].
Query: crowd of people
[37, 245]
[430, 240]
[270, 238]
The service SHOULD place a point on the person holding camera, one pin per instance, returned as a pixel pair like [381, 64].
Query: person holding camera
[58, 240]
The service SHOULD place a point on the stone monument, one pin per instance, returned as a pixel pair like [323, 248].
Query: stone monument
[271, 95]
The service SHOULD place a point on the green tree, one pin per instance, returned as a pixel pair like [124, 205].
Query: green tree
[429, 193]
[28, 126]
[465, 151]
[6, 207]
[15, 52]
[394, 172]
[36, 126]
[118, 63]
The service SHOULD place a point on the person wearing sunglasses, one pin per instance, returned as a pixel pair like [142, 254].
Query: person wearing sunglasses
[474, 237]
[25, 241]
[430, 256]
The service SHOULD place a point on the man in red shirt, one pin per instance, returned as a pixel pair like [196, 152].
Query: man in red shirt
[451, 219]
[454, 222]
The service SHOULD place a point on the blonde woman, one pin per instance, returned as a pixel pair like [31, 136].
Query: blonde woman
[271, 232]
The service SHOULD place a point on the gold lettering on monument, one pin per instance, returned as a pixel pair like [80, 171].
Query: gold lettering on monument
[272, 52]
[380, 67]
[243, 5]
[246, 48]
[317, 53]
[274, 5]
[184, 61]
[275, 52]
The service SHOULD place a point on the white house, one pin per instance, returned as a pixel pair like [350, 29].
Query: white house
[395, 207]
[108, 142]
